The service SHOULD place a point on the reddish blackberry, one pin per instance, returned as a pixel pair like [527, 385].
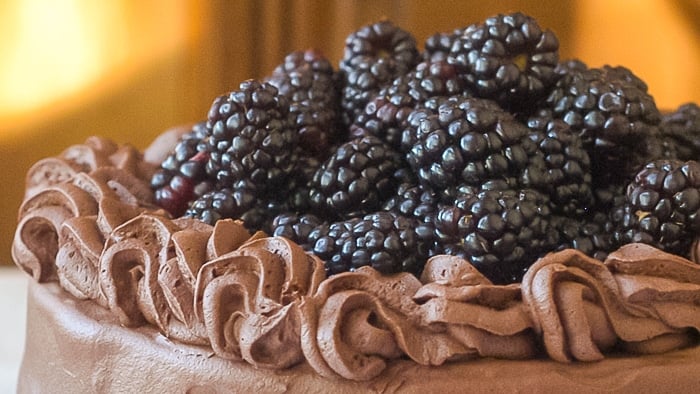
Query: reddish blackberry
[568, 176]
[663, 204]
[682, 129]
[356, 179]
[251, 139]
[469, 141]
[507, 58]
[385, 116]
[612, 112]
[374, 56]
[310, 85]
[181, 176]
[383, 240]
[501, 232]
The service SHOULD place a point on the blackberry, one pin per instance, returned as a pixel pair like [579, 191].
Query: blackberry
[310, 85]
[385, 116]
[612, 112]
[251, 138]
[593, 235]
[296, 227]
[181, 176]
[663, 206]
[507, 58]
[383, 240]
[240, 201]
[437, 46]
[470, 141]
[571, 65]
[501, 232]
[374, 56]
[682, 129]
[414, 201]
[356, 179]
[299, 187]
[222, 204]
[568, 176]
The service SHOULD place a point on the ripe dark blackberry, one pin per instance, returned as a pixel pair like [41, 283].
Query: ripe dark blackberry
[251, 138]
[374, 56]
[299, 187]
[612, 112]
[414, 201]
[437, 47]
[240, 201]
[663, 204]
[469, 141]
[181, 176]
[568, 175]
[296, 227]
[356, 179]
[385, 116]
[383, 240]
[501, 232]
[310, 85]
[593, 235]
[682, 128]
[507, 58]
[570, 65]
[222, 204]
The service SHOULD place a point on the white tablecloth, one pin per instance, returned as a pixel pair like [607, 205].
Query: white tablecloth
[13, 307]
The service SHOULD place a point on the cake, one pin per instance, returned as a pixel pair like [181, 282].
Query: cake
[145, 280]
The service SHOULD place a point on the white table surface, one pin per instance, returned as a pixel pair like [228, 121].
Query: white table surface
[13, 307]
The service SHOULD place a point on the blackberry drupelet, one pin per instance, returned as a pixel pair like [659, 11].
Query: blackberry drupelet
[470, 141]
[251, 138]
[310, 85]
[385, 116]
[663, 206]
[181, 176]
[501, 232]
[614, 115]
[507, 58]
[383, 240]
[356, 179]
[682, 128]
[374, 56]
[568, 175]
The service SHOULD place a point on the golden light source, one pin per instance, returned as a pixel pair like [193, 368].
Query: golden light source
[53, 50]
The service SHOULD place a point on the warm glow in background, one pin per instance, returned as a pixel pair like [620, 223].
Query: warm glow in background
[129, 69]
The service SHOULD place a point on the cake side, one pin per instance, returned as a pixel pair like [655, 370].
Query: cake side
[77, 346]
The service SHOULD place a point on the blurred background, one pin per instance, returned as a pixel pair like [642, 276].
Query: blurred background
[129, 69]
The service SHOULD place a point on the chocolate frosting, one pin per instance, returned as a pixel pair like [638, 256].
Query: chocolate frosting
[89, 223]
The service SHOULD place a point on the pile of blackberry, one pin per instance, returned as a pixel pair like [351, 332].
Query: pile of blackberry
[483, 145]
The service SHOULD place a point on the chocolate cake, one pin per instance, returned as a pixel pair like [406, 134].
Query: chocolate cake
[454, 223]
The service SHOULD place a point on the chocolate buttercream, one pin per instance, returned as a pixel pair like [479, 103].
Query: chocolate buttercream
[249, 298]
